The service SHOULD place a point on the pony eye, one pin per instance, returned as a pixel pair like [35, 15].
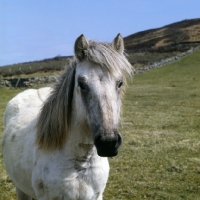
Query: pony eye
[83, 85]
[120, 83]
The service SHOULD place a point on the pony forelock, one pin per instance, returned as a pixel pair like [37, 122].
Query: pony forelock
[104, 55]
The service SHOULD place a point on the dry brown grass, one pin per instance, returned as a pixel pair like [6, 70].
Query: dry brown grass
[184, 31]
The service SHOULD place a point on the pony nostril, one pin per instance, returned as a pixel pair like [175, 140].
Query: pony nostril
[119, 140]
[108, 144]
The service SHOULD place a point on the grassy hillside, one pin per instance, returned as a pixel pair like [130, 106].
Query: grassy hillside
[149, 46]
[160, 154]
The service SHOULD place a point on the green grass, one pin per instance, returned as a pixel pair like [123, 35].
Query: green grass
[160, 155]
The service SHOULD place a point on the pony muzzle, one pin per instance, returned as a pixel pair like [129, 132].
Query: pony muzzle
[107, 144]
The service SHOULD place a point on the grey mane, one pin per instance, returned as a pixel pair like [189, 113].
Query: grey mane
[54, 118]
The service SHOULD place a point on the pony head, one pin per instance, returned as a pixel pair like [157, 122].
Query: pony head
[89, 92]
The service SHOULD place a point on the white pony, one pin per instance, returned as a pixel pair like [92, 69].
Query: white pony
[57, 140]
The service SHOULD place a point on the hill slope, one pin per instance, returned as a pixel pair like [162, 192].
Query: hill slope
[184, 31]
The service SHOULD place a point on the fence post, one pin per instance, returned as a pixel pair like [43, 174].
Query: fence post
[17, 82]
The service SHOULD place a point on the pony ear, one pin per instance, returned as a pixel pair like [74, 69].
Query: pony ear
[80, 46]
[118, 44]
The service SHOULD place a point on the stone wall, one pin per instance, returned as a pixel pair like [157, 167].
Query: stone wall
[167, 61]
[27, 82]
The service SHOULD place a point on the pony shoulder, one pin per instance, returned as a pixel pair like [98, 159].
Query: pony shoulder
[25, 100]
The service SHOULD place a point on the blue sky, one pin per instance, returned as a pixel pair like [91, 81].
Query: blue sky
[37, 29]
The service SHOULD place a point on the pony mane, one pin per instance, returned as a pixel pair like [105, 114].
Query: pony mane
[54, 118]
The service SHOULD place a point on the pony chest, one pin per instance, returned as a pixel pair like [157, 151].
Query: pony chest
[87, 181]
[76, 179]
